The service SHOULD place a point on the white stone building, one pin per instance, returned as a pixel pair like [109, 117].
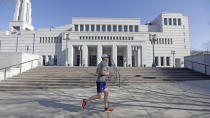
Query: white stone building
[82, 43]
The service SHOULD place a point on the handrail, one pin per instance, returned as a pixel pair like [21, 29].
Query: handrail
[206, 65]
[20, 64]
[116, 71]
[197, 63]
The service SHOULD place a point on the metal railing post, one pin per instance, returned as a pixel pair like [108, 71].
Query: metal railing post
[20, 68]
[5, 74]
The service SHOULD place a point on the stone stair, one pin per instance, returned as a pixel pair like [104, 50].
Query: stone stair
[82, 77]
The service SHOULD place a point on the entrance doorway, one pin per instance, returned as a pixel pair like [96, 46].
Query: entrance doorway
[178, 62]
[120, 61]
[92, 55]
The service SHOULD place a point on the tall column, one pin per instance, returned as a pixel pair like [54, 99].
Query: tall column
[139, 57]
[114, 54]
[47, 60]
[99, 53]
[129, 55]
[71, 55]
[85, 55]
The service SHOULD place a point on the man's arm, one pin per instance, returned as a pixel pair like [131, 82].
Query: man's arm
[97, 70]
[104, 73]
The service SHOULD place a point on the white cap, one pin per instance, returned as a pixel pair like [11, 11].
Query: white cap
[104, 56]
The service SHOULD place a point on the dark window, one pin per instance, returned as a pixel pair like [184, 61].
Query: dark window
[163, 41]
[174, 21]
[103, 28]
[170, 21]
[98, 28]
[86, 27]
[165, 21]
[60, 39]
[162, 61]
[136, 28]
[166, 41]
[160, 41]
[40, 39]
[130, 28]
[120, 28]
[179, 22]
[125, 28]
[76, 27]
[157, 41]
[109, 28]
[114, 28]
[167, 61]
[92, 27]
[55, 60]
[156, 61]
[81, 27]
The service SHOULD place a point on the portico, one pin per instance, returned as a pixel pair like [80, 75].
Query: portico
[90, 55]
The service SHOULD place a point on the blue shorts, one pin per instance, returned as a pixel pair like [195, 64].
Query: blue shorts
[101, 86]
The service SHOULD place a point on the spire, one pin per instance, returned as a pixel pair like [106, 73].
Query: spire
[22, 17]
[23, 11]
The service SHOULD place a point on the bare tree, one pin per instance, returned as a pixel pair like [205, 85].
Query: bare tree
[206, 47]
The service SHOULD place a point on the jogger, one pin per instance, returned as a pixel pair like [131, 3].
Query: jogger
[102, 71]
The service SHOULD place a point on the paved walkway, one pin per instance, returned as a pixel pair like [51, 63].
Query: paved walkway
[146, 100]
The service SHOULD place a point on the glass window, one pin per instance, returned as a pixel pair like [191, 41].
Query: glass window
[76, 27]
[167, 61]
[162, 61]
[81, 27]
[120, 28]
[109, 28]
[163, 41]
[166, 41]
[92, 28]
[114, 28]
[171, 41]
[170, 21]
[136, 28]
[40, 40]
[165, 21]
[157, 41]
[86, 27]
[156, 61]
[174, 21]
[160, 41]
[179, 22]
[130, 28]
[125, 28]
[98, 28]
[103, 28]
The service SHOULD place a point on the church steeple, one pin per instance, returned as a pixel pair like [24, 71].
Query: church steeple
[22, 17]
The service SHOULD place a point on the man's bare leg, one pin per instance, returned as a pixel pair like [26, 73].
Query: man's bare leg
[106, 94]
[98, 96]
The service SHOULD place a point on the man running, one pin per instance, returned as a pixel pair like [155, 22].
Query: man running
[102, 71]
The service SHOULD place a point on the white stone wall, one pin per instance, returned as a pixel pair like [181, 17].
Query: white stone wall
[199, 63]
[11, 58]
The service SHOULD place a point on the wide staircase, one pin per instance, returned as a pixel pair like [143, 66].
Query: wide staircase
[81, 77]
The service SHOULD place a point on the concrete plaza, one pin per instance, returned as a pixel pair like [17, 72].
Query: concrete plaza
[189, 99]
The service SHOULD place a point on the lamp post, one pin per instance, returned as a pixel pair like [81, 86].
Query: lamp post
[80, 51]
[33, 42]
[66, 37]
[173, 52]
[153, 39]
[17, 33]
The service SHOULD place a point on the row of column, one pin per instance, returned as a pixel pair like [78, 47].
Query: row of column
[100, 52]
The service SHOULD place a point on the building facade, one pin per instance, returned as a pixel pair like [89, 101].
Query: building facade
[82, 43]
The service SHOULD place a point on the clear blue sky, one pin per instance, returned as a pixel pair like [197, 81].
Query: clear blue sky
[48, 13]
